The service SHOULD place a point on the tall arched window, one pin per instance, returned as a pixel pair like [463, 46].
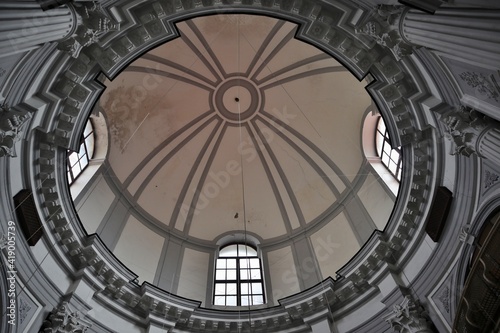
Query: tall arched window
[390, 156]
[238, 277]
[78, 161]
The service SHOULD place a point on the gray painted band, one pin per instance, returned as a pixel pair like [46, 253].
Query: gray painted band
[319, 57]
[305, 156]
[318, 151]
[284, 179]
[331, 69]
[181, 68]
[162, 145]
[207, 47]
[189, 179]
[275, 51]
[170, 155]
[204, 174]
[172, 76]
[277, 195]
[263, 46]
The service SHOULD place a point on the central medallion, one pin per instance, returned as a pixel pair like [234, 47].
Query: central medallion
[237, 99]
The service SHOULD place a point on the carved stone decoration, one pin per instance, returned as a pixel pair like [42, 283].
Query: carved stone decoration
[483, 85]
[24, 309]
[490, 178]
[444, 298]
[62, 320]
[463, 126]
[10, 128]
[383, 27]
[94, 24]
[408, 317]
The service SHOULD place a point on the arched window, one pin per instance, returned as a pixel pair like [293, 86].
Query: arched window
[390, 156]
[78, 161]
[238, 277]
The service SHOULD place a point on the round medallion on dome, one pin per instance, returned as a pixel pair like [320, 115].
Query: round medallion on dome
[237, 99]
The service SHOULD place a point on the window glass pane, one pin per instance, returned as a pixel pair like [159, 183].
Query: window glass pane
[231, 274]
[245, 300]
[392, 167]
[220, 274]
[88, 129]
[244, 274]
[254, 263]
[229, 251]
[247, 251]
[256, 288]
[394, 155]
[255, 274]
[221, 263]
[381, 125]
[245, 288]
[89, 142]
[84, 162]
[82, 150]
[73, 158]
[258, 299]
[387, 149]
[244, 263]
[76, 169]
[379, 141]
[231, 263]
[220, 289]
[385, 159]
[231, 289]
[231, 300]
[220, 300]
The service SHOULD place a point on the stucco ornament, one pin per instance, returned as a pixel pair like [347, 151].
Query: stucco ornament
[62, 320]
[11, 124]
[463, 126]
[94, 24]
[408, 317]
[383, 27]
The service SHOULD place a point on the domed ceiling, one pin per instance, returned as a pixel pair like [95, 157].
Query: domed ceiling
[236, 120]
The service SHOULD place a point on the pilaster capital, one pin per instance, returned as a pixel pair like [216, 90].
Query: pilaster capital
[383, 26]
[93, 23]
[62, 320]
[11, 123]
[408, 317]
[463, 127]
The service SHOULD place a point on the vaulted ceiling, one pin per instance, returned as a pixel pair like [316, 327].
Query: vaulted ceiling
[238, 127]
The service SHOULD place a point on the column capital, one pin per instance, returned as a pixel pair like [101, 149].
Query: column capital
[463, 127]
[408, 317]
[383, 26]
[62, 320]
[11, 123]
[93, 23]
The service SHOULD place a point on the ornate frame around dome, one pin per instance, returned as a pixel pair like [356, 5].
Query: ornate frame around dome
[73, 89]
